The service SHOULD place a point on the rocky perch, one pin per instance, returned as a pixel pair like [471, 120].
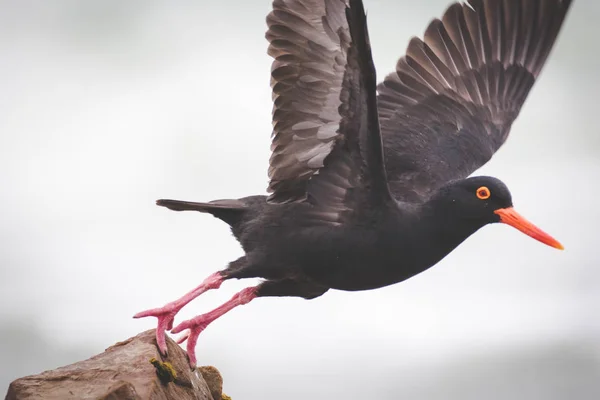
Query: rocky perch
[129, 370]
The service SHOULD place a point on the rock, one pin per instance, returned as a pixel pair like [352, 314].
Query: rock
[129, 370]
[213, 378]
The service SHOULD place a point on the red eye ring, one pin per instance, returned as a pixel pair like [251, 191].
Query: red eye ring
[483, 193]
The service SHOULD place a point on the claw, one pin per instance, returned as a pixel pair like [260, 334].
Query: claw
[183, 337]
[196, 325]
[194, 328]
[165, 316]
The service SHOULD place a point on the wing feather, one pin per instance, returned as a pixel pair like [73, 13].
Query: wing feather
[451, 102]
[308, 40]
[326, 143]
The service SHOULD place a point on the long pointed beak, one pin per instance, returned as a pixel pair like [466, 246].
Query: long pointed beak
[510, 217]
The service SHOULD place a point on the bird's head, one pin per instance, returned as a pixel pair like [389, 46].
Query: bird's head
[483, 200]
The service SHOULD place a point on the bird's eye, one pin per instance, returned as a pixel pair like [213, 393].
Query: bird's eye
[483, 193]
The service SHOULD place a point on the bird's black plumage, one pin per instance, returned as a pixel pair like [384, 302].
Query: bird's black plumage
[451, 102]
[369, 189]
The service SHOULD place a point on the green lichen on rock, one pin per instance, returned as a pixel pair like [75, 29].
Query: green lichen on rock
[225, 397]
[165, 371]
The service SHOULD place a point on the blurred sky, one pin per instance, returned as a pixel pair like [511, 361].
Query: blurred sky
[108, 105]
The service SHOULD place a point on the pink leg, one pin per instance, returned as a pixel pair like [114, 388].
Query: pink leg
[198, 324]
[166, 314]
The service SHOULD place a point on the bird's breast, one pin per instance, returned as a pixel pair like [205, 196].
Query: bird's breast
[365, 260]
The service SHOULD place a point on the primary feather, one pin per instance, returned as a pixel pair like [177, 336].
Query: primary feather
[451, 102]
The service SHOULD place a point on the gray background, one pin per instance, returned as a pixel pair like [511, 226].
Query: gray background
[109, 105]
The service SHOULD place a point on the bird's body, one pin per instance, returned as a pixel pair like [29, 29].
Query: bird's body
[379, 247]
[369, 183]
[306, 251]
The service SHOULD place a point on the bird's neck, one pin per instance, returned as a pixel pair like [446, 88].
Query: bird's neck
[443, 228]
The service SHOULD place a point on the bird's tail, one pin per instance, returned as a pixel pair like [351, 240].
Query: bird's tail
[179, 205]
[229, 210]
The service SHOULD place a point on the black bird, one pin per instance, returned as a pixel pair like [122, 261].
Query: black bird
[346, 212]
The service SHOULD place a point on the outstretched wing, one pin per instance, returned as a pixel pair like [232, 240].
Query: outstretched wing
[326, 144]
[454, 96]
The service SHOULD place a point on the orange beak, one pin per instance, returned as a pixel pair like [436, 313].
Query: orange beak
[510, 217]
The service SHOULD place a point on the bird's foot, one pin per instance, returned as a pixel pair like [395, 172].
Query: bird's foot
[196, 325]
[166, 314]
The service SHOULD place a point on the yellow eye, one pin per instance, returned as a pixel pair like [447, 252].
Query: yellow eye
[483, 193]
